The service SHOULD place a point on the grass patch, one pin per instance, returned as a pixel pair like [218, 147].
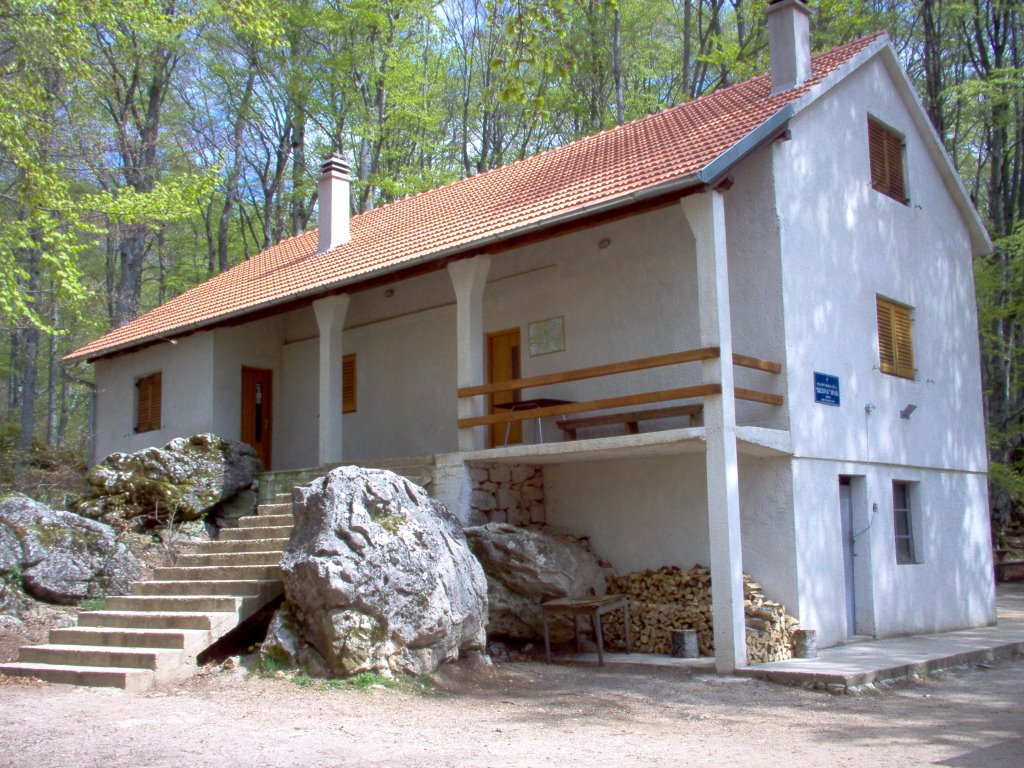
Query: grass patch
[93, 604]
[365, 681]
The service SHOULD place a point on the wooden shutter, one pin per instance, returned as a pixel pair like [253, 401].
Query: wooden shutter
[148, 400]
[348, 384]
[886, 149]
[895, 339]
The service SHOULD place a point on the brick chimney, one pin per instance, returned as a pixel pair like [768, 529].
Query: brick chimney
[334, 196]
[789, 43]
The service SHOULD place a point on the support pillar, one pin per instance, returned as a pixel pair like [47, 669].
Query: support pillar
[706, 216]
[469, 278]
[330, 319]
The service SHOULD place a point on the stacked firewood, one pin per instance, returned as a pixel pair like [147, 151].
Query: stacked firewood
[672, 598]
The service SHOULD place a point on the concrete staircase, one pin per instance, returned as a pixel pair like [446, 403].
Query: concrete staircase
[154, 634]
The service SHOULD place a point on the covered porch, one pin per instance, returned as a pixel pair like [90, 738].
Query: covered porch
[694, 472]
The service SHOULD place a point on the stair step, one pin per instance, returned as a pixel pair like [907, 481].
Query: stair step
[192, 640]
[284, 497]
[130, 680]
[261, 520]
[230, 558]
[207, 587]
[275, 508]
[98, 656]
[209, 621]
[218, 572]
[192, 604]
[262, 532]
[242, 545]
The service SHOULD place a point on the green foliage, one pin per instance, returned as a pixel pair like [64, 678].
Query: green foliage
[366, 681]
[10, 578]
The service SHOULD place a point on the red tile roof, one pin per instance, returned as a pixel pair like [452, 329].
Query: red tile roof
[671, 145]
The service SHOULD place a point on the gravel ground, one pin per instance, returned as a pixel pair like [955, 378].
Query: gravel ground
[520, 714]
[516, 714]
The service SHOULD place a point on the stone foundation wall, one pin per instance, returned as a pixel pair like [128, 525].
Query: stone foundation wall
[504, 493]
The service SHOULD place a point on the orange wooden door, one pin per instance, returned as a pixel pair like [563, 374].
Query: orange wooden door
[503, 364]
[257, 411]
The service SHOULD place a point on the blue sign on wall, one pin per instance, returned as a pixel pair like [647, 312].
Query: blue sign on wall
[826, 389]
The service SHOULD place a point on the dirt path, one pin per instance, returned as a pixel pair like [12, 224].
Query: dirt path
[520, 714]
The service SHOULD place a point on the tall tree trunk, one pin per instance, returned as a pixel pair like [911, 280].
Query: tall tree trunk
[620, 112]
[231, 182]
[52, 372]
[128, 292]
[29, 363]
[933, 66]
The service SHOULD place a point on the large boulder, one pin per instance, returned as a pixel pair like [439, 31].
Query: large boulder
[379, 576]
[62, 557]
[527, 566]
[188, 479]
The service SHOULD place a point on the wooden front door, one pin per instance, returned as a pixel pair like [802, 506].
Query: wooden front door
[502, 365]
[257, 411]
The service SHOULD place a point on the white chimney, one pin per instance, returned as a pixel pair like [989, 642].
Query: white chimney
[334, 197]
[789, 43]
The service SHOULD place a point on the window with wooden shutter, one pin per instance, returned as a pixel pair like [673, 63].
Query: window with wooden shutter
[148, 394]
[886, 150]
[895, 339]
[348, 384]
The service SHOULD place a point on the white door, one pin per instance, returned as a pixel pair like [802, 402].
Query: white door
[846, 519]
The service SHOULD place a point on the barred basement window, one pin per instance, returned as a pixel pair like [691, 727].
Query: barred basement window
[895, 338]
[148, 396]
[348, 384]
[886, 149]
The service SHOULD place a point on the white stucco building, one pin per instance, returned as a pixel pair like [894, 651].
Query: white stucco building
[808, 222]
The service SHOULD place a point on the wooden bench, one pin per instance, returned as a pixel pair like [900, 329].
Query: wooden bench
[632, 419]
[595, 608]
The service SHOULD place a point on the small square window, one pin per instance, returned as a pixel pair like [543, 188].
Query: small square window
[148, 396]
[886, 149]
[895, 338]
[903, 523]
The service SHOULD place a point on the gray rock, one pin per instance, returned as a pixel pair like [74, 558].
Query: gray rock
[10, 549]
[180, 482]
[285, 647]
[379, 575]
[65, 557]
[525, 567]
[226, 513]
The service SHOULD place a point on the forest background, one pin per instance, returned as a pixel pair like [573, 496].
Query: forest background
[148, 144]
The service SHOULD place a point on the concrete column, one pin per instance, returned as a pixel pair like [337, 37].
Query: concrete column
[330, 319]
[469, 278]
[706, 216]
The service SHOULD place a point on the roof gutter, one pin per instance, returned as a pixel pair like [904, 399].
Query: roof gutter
[705, 178]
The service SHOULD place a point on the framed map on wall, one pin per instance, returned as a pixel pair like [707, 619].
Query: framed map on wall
[547, 336]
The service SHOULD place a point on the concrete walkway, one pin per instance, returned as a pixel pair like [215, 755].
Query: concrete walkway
[899, 658]
[842, 667]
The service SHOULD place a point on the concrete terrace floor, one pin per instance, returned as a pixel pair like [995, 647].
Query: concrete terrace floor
[872, 661]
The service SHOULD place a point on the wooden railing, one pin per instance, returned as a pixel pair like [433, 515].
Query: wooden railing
[622, 401]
